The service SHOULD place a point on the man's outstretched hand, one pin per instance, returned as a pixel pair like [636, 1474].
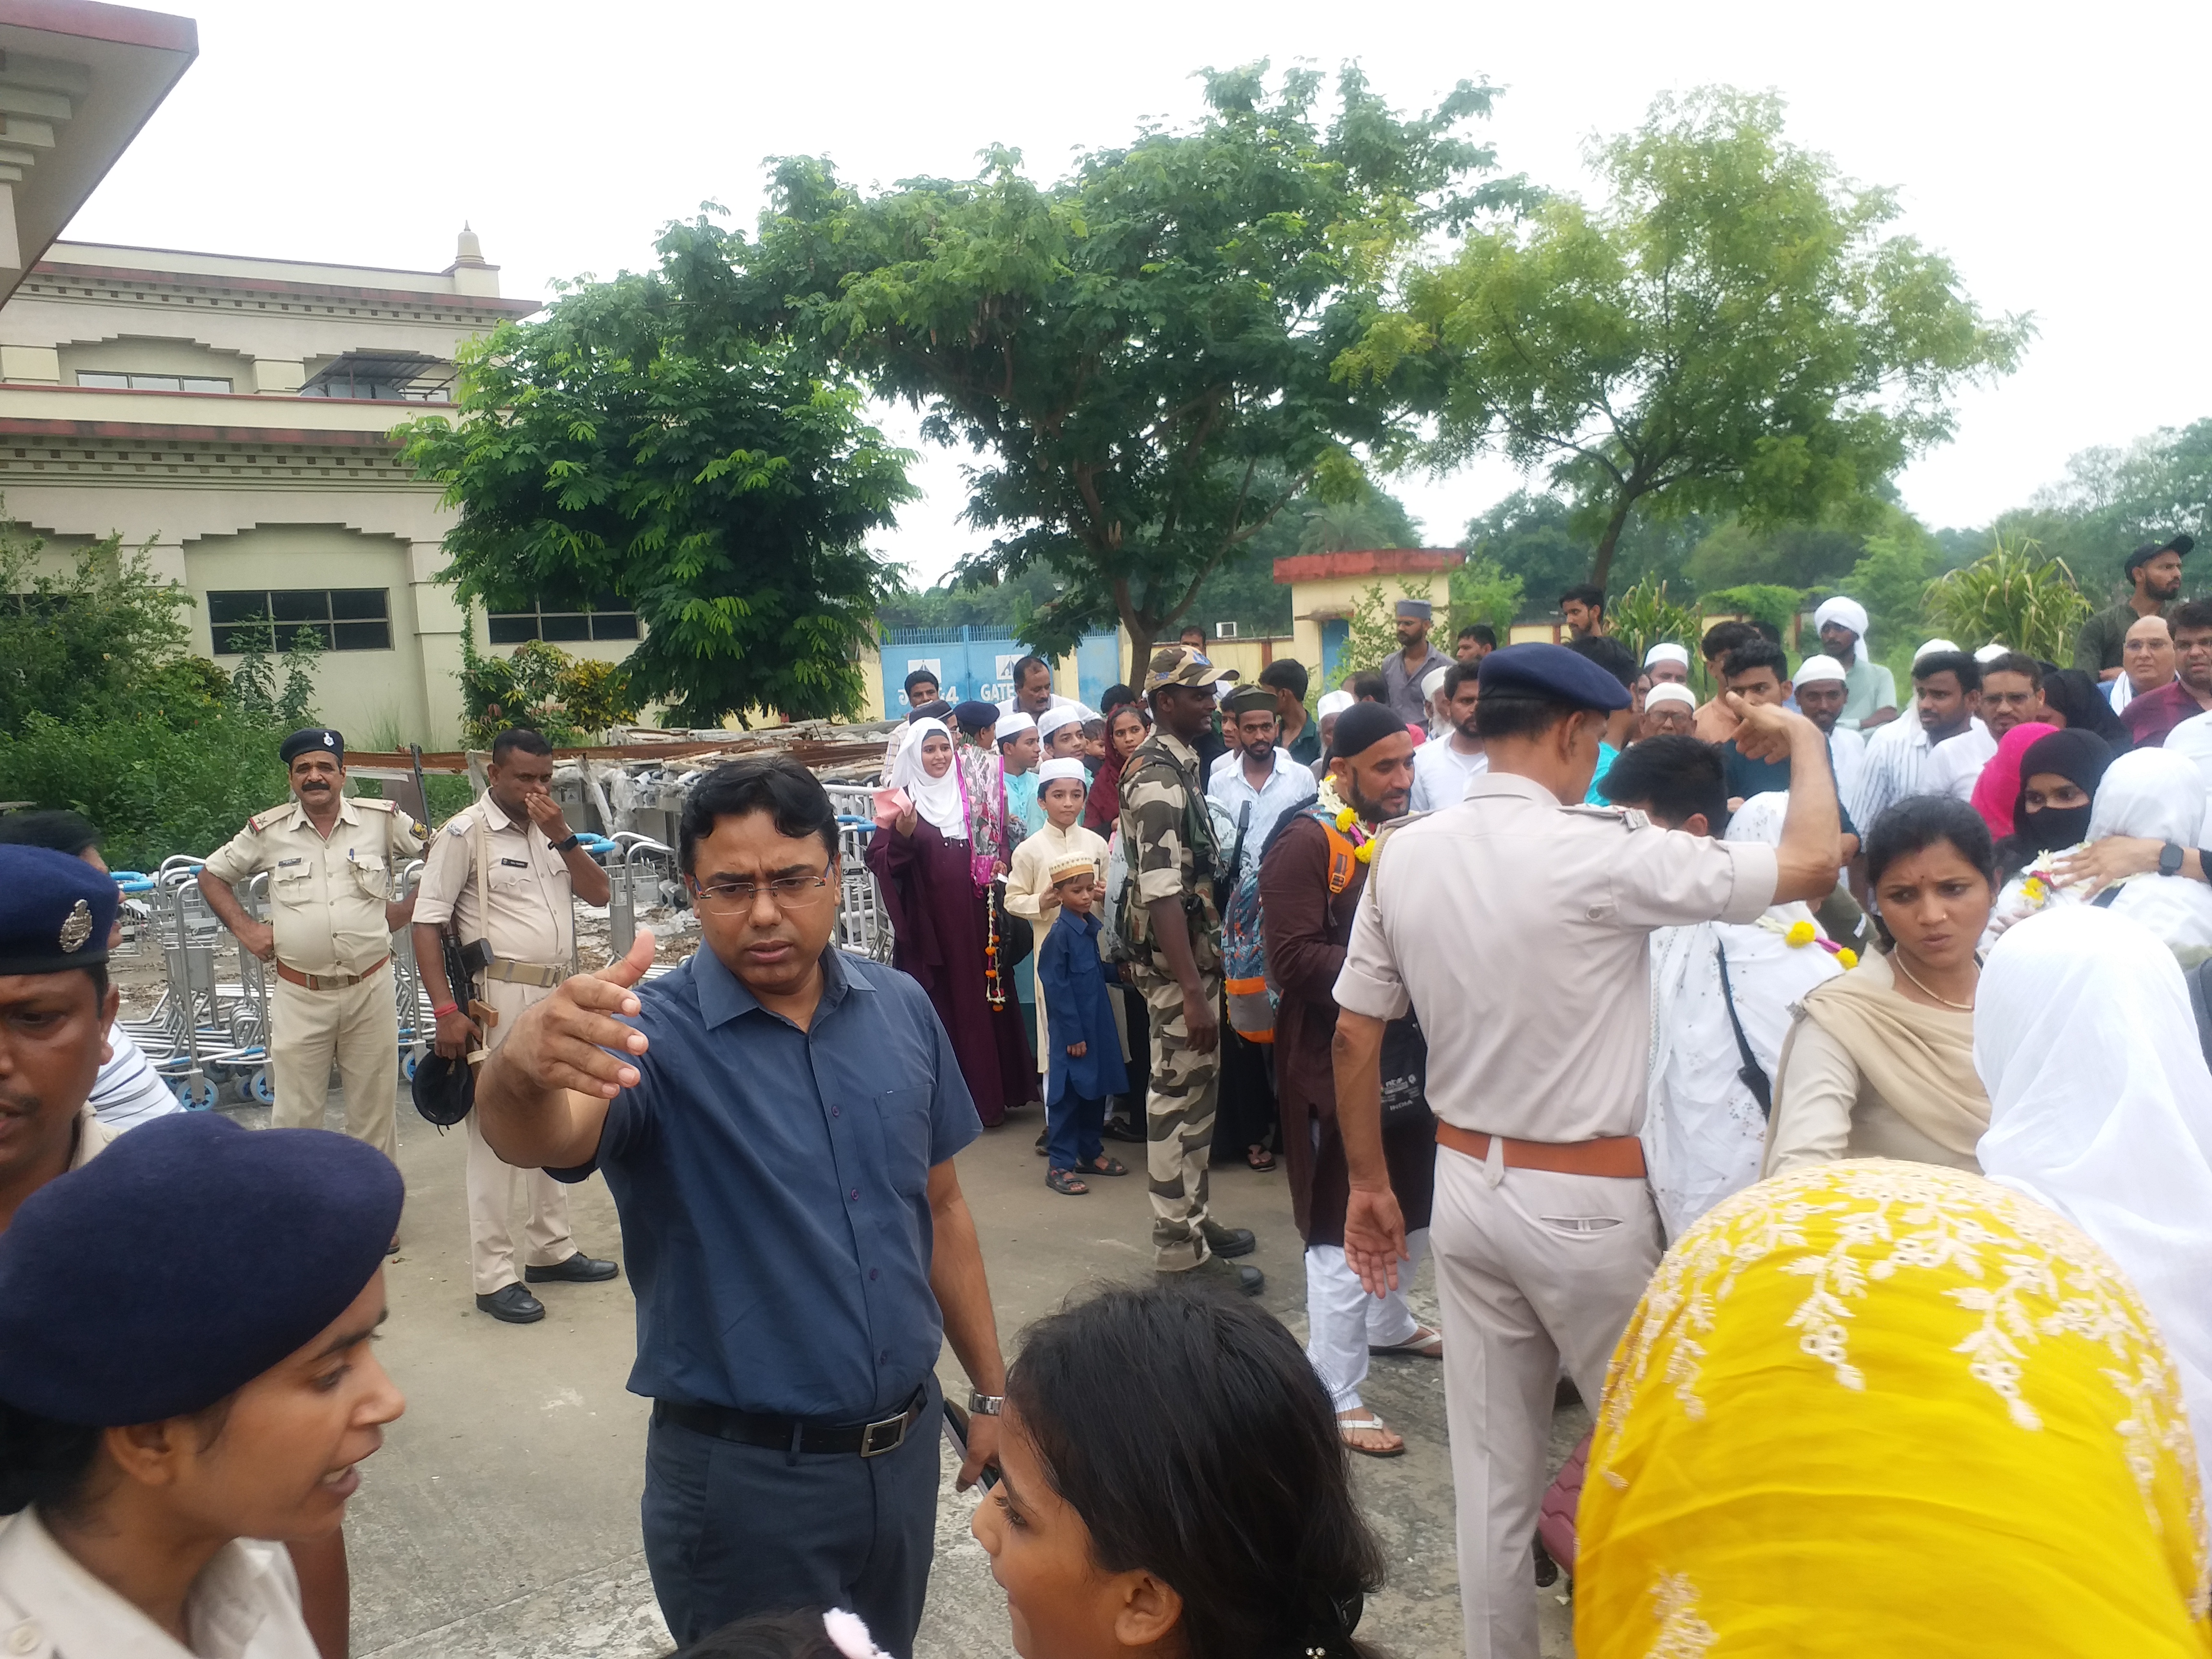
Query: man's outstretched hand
[562, 1041]
[1375, 1237]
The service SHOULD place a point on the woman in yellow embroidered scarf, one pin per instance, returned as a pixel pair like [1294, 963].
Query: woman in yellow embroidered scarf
[1882, 1408]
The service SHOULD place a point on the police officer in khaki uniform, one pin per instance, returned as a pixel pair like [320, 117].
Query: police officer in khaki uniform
[333, 864]
[507, 870]
[1543, 1229]
[1167, 836]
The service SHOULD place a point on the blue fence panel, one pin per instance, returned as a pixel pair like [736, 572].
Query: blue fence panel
[1335, 633]
[969, 663]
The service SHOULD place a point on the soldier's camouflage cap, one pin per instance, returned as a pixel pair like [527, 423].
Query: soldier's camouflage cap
[1178, 664]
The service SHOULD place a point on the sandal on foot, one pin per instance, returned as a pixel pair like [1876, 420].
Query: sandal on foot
[1426, 1343]
[1348, 1426]
[1106, 1166]
[1065, 1182]
[1259, 1158]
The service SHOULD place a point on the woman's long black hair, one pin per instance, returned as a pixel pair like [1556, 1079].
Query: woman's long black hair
[1191, 1435]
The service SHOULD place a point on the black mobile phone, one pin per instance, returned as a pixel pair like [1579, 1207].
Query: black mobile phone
[956, 1436]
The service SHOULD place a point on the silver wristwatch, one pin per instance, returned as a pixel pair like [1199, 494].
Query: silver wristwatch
[986, 1405]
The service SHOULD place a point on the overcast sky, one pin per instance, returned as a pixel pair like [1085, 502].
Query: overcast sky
[2029, 143]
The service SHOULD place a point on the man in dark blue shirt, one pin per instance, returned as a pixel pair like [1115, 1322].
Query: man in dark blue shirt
[776, 1120]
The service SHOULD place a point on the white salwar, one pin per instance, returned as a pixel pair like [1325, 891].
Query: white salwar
[1343, 1322]
[2100, 1106]
[1703, 1134]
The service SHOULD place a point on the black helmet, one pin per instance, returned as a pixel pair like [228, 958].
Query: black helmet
[444, 1088]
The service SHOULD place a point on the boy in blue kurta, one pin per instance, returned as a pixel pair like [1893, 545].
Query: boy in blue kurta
[1086, 1052]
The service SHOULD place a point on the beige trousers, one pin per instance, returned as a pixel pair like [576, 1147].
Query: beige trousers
[495, 1186]
[1533, 1269]
[358, 1029]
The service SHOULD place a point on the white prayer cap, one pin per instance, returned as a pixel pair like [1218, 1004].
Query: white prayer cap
[1813, 670]
[1335, 702]
[1063, 766]
[1433, 681]
[1845, 613]
[1055, 717]
[1932, 646]
[1668, 691]
[1990, 652]
[1667, 651]
[1012, 725]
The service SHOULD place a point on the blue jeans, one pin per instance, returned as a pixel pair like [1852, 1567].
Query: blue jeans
[732, 1530]
[1073, 1124]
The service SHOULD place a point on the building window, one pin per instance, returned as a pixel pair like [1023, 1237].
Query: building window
[152, 382]
[606, 619]
[345, 618]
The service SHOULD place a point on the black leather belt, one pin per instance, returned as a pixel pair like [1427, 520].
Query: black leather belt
[795, 1434]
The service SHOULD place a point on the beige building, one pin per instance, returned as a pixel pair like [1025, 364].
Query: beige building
[233, 413]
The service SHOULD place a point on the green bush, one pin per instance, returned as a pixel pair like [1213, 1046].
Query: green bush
[152, 789]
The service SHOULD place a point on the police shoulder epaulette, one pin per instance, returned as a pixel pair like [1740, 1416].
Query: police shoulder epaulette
[1626, 816]
[1401, 821]
[261, 821]
[375, 802]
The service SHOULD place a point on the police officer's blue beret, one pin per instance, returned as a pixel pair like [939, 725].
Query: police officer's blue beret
[55, 912]
[185, 1260]
[306, 742]
[1551, 672]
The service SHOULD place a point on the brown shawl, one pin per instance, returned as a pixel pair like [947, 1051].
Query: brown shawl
[1918, 1059]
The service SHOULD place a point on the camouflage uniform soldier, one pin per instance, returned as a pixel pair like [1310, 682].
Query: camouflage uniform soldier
[1169, 915]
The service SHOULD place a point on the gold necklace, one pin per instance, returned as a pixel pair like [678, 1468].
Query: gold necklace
[1963, 1007]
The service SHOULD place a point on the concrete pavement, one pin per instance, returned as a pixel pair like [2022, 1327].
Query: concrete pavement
[499, 1521]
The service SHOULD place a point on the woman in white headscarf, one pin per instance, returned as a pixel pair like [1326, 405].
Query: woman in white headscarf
[2100, 1107]
[1705, 1132]
[2156, 795]
[926, 860]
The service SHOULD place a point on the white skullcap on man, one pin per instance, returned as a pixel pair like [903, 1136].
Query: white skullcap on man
[1667, 651]
[1844, 613]
[1813, 670]
[1666, 691]
[1433, 681]
[1333, 703]
[1052, 719]
[1011, 725]
[1929, 649]
[1990, 652]
[1063, 766]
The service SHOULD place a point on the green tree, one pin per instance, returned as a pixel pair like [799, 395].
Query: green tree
[92, 639]
[633, 444]
[1535, 536]
[1483, 591]
[1372, 635]
[1731, 333]
[1648, 613]
[1891, 580]
[1137, 355]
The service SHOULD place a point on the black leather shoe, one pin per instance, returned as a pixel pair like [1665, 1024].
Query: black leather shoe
[1215, 1275]
[577, 1269]
[1122, 1128]
[1228, 1241]
[512, 1304]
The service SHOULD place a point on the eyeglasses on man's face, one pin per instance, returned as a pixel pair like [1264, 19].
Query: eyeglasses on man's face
[732, 898]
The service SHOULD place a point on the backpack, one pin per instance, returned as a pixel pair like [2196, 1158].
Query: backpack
[1251, 991]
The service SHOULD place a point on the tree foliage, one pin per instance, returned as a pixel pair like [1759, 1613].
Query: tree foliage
[1139, 356]
[1650, 612]
[633, 444]
[1482, 591]
[1732, 333]
[2112, 500]
[569, 701]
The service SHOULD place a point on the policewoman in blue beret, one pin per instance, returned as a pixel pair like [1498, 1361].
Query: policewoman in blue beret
[162, 1435]
[1543, 1227]
[333, 863]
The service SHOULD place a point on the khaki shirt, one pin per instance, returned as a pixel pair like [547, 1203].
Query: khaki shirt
[93, 1135]
[326, 898]
[531, 916]
[1519, 930]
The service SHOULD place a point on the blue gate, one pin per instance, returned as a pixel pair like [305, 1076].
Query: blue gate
[972, 662]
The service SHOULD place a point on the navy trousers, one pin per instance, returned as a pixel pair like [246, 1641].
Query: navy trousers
[732, 1530]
